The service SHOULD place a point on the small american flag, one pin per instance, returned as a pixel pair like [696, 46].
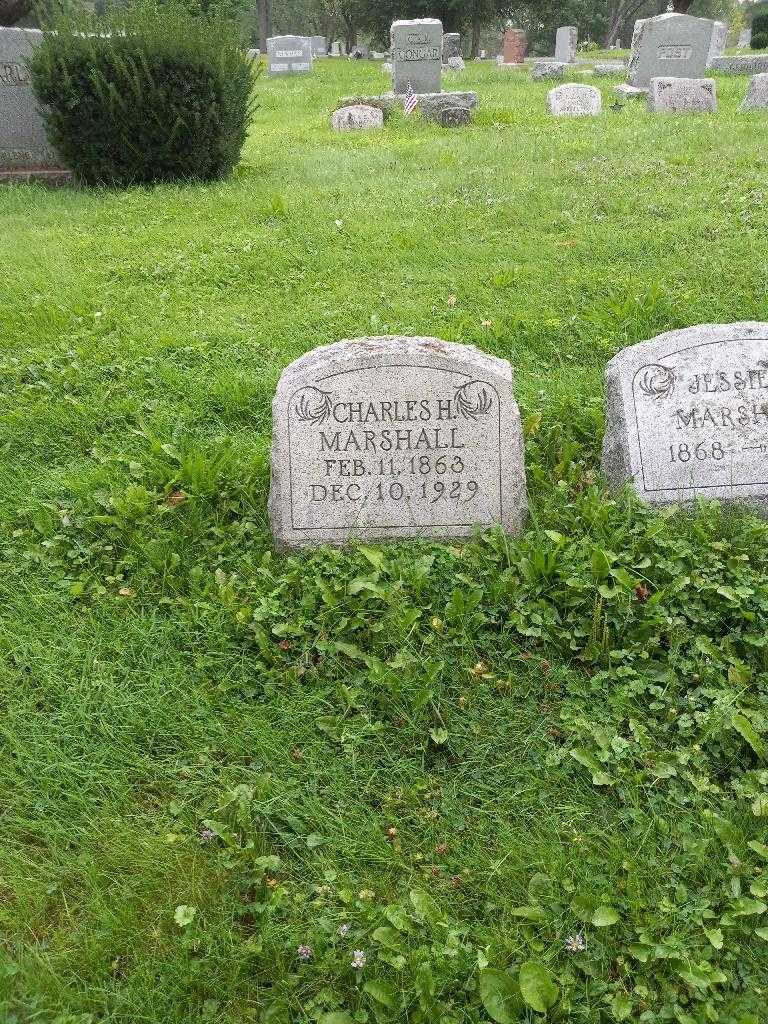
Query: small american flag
[411, 100]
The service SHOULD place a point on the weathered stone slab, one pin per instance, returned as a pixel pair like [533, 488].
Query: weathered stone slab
[757, 94]
[566, 38]
[682, 96]
[609, 69]
[451, 45]
[574, 100]
[514, 45]
[431, 104]
[747, 65]
[687, 416]
[629, 92]
[358, 117]
[417, 49]
[673, 46]
[392, 438]
[24, 146]
[319, 46]
[543, 69]
[289, 55]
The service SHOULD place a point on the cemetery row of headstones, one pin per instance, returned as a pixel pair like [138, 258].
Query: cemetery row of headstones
[391, 437]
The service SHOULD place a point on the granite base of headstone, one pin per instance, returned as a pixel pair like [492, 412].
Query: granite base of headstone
[682, 96]
[574, 101]
[289, 55]
[417, 48]
[609, 69]
[687, 416]
[542, 70]
[673, 46]
[358, 117]
[566, 39]
[25, 152]
[394, 438]
[757, 94]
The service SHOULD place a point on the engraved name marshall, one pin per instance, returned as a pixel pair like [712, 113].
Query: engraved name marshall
[657, 382]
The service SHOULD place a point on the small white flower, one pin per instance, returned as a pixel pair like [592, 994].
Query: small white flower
[576, 943]
[344, 930]
[359, 959]
[339, 223]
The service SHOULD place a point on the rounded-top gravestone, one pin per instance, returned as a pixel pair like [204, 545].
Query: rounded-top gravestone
[687, 416]
[574, 100]
[390, 438]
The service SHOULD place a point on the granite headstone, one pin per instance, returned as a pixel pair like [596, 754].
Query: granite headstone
[682, 96]
[451, 45]
[319, 46]
[574, 100]
[543, 69]
[566, 39]
[687, 416]
[757, 94]
[514, 45]
[357, 117]
[391, 438]
[673, 46]
[24, 146]
[417, 49]
[289, 55]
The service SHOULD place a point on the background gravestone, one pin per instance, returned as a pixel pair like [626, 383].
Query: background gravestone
[682, 96]
[417, 50]
[390, 438]
[24, 146]
[687, 415]
[745, 38]
[451, 45]
[757, 94]
[319, 46]
[514, 45]
[566, 39]
[673, 46]
[289, 55]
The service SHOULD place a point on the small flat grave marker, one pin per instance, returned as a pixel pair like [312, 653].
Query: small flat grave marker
[391, 438]
[574, 100]
[687, 416]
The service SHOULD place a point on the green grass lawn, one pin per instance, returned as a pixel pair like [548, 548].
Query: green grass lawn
[462, 757]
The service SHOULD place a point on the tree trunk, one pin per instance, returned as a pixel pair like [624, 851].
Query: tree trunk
[475, 47]
[12, 11]
[613, 27]
[681, 6]
[263, 24]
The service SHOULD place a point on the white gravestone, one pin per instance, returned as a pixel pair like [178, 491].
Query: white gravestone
[687, 416]
[394, 438]
[23, 141]
[673, 46]
[682, 96]
[417, 55]
[574, 100]
[757, 94]
[289, 55]
[566, 39]
[745, 38]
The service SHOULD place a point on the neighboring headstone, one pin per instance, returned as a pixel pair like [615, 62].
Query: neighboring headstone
[682, 96]
[574, 100]
[542, 69]
[451, 45]
[24, 148]
[609, 68]
[254, 53]
[673, 46]
[432, 105]
[319, 46]
[514, 45]
[757, 94]
[357, 117]
[745, 38]
[687, 415]
[289, 55]
[566, 39]
[395, 438]
[452, 117]
[754, 64]
[337, 48]
[456, 64]
[417, 48]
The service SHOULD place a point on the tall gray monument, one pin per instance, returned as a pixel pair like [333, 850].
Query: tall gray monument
[673, 46]
[417, 50]
[24, 146]
[687, 416]
[392, 438]
[566, 39]
[289, 55]
[319, 46]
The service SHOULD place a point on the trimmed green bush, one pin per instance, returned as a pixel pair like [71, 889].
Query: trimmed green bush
[759, 41]
[158, 95]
